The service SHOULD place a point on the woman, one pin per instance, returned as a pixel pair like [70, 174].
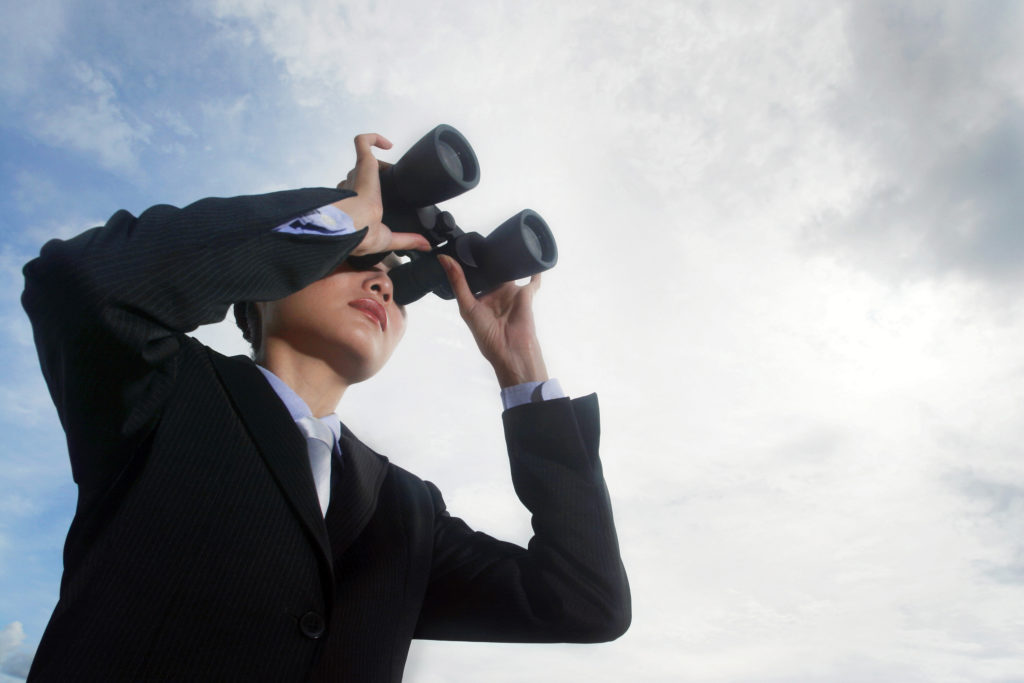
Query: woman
[220, 534]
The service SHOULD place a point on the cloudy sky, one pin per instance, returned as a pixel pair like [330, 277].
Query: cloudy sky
[791, 244]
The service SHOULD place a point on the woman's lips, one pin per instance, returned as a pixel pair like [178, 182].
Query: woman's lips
[373, 309]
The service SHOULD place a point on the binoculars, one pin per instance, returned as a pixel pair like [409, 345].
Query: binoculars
[440, 166]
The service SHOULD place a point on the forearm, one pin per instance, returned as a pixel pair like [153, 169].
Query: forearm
[179, 267]
[108, 306]
[557, 474]
[569, 584]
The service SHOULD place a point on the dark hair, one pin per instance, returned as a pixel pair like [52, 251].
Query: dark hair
[247, 318]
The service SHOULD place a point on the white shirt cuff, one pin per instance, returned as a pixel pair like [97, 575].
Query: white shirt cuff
[327, 220]
[531, 392]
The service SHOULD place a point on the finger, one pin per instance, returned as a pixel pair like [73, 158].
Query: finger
[457, 279]
[364, 141]
[401, 241]
[366, 171]
[367, 167]
[527, 291]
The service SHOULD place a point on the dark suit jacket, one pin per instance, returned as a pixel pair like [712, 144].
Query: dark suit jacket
[198, 551]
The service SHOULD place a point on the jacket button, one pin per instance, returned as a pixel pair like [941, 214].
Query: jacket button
[312, 625]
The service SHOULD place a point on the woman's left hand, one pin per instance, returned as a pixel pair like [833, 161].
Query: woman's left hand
[502, 325]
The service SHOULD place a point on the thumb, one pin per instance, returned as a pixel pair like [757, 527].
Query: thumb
[402, 241]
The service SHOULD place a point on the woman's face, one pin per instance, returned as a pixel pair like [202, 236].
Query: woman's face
[348, 319]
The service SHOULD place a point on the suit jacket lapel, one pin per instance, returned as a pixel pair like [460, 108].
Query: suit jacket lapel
[279, 442]
[355, 493]
[354, 497]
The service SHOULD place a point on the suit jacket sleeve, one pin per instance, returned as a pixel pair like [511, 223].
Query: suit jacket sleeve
[109, 307]
[569, 584]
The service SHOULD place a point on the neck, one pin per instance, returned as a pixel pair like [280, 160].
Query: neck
[313, 379]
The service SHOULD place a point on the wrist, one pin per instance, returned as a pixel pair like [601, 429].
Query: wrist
[521, 369]
[356, 209]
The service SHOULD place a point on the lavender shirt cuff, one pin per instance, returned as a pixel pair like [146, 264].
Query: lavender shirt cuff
[327, 220]
[531, 392]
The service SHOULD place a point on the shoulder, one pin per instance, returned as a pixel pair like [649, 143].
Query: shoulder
[417, 492]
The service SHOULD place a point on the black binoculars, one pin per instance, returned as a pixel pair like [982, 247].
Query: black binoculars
[440, 166]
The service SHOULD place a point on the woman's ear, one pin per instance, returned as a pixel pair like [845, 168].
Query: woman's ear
[254, 314]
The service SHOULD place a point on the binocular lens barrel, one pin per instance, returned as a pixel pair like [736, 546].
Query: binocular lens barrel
[519, 247]
[441, 165]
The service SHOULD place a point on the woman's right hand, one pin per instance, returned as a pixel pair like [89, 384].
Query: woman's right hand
[367, 208]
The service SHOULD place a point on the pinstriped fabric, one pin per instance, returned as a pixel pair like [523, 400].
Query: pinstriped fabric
[174, 496]
[187, 573]
[198, 550]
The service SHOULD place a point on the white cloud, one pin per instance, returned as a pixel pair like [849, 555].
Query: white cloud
[11, 638]
[13, 662]
[175, 122]
[93, 121]
[936, 102]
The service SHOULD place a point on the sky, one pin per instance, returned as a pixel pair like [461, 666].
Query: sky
[791, 242]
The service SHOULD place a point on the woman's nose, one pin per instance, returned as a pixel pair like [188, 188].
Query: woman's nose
[381, 284]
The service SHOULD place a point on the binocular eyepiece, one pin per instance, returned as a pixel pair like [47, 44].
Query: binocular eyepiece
[440, 166]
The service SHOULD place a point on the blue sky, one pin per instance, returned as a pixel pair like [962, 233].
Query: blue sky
[790, 256]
